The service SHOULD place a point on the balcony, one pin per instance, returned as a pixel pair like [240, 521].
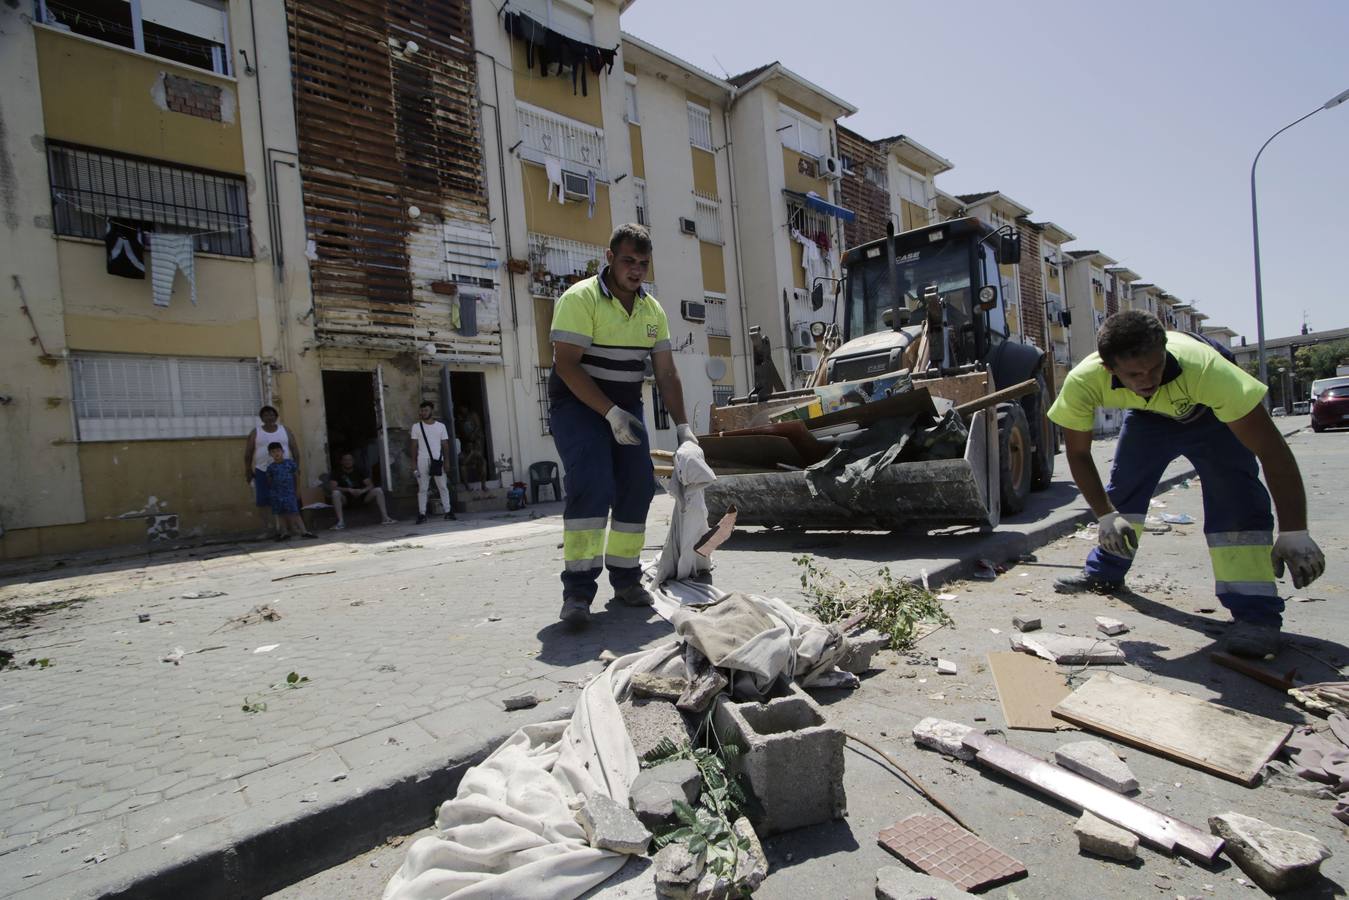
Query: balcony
[547, 135]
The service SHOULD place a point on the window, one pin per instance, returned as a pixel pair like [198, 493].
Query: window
[128, 398]
[643, 211]
[845, 162]
[722, 394]
[804, 135]
[630, 97]
[707, 213]
[545, 134]
[659, 413]
[542, 384]
[700, 126]
[717, 324]
[807, 221]
[192, 32]
[89, 187]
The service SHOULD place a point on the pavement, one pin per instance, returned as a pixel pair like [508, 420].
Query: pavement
[210, 775]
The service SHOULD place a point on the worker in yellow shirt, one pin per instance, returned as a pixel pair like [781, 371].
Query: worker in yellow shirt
[604, 330]
[1185, 396]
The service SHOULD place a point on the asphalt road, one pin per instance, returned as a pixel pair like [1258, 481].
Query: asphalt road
[1167, 645]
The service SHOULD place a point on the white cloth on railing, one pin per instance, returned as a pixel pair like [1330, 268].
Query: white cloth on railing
[552, 167]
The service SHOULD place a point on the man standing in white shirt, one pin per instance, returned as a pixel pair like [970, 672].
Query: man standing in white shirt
[431, 454]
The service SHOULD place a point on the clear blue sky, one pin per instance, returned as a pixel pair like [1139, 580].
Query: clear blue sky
[1132, 125]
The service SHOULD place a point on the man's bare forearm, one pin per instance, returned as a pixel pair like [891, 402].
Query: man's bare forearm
[1285, 487]
[582, 386]
[1088, 479]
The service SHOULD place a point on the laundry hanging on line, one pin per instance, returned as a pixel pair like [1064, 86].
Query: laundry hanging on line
[551, 47]
[552, 167]
[125, 243]
[168, 254]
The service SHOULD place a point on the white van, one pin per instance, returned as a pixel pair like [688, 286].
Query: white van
[1321, 384]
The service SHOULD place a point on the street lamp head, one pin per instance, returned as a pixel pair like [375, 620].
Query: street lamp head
[1336, 100]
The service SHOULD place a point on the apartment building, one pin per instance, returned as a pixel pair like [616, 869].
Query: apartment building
[890, 180]
[1085, 281]
[1220, 333]
[1057, 317]
[786, 172]
[156, 249]
[1119, 288]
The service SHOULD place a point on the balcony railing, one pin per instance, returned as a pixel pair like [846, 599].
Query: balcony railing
[545, 134]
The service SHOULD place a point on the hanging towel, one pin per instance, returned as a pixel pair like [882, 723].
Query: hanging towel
[168, 254]
[590, 193]
[125, 243]
[468, 314]
[553, 167]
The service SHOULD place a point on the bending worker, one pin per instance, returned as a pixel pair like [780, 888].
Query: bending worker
[604, 329]
[1185, 398]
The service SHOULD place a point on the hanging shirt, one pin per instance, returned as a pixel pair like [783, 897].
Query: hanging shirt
[125, 243]
[1197, 377]
[617, 344]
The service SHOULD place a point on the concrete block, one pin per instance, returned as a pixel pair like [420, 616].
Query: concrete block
[655, 790]
[1096, 761]
[898, 883]
[944, 737]
[648, 721]
[658, 687]
[1110, 627]
[792, 762]
[752, 866]
[610, 826]
[862, 649]
[1276, 858]
[946, 667]
[1096, 835]
[677, 872]
[1026, 623]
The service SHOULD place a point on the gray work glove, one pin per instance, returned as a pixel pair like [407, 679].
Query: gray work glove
[1299, 553]
[1117, 536]
[684, 434]
[626, 427]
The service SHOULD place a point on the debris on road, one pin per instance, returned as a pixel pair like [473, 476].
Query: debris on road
[654, 791]
[946, 667]
[947, 851]
[142, 617]
[1028, 688]
[1110, 627]
[1097, 836]
[611, 826]
[202, 595]
[658, 687]
[1277, 858]
[175, 656]
[1067, 650]
[1026, 623]
[266, 648]
[304, 574]
[1095, 760]
[1324, 697]
[1282, 682]
[898, 883]
[264, 613]
[944, 737]
[520, 701]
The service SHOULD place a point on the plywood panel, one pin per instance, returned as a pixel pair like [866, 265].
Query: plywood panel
[1028, 689]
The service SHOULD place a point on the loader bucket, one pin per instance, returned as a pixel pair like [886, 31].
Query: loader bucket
[940, 492]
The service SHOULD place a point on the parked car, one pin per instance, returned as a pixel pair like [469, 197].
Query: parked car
[1278, 411]
[1321, 384]
[1302, 407]
[1331, 409]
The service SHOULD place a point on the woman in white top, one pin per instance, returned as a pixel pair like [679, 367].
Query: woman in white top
[256, 458]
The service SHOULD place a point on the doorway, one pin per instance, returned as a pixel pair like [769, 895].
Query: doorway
[473, 427]
[353, 421]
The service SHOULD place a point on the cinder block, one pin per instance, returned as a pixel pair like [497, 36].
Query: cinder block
[792, 762]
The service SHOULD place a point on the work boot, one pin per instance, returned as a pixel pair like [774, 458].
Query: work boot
[450, 516]
[1082, 583]
[634, 595]
[1251, 640]
[575, 611]
[421, 518]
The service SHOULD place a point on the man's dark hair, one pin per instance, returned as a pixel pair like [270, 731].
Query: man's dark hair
[1129, 334]
[275, 445]
[631, 233]
[427, 404]
[269, 409]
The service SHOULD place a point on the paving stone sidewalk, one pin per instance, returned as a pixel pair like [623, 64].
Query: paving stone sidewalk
[116, 763]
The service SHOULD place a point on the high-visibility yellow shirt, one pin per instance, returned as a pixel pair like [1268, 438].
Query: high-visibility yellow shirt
[617, 343]
[1196, 377]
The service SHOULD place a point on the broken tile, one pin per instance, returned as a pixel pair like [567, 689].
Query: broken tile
[1110, 627]
[942, 848]
[943, 736]
[1095, 760]
[1277, 858]
[946, 667]
[1097, 836]
[1067, 650]
[610, 826]
[660, 687]
[1026, 623]
[899, 883]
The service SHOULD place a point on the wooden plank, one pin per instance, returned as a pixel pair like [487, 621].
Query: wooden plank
[1006, 395]
[812, 450]
[1157, 829]
[909, 403]
[1281, 681]
[1212, 738]
[1028, 688]
[957, 388]
[762, 450]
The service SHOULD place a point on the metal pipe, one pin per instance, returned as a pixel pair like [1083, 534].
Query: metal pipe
[735, 235]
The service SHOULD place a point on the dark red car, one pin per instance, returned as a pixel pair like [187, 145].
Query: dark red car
[1331, 409]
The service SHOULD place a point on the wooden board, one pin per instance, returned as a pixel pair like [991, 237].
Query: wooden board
[806, 444]
[909, 403]
[1215, 739]
[762, 450]
[1028, 689]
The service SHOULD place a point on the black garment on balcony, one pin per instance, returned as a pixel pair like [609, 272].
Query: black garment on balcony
[552, 47]
[125, 243]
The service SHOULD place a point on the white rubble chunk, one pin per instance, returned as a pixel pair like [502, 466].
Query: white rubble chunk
[1096, 761]
[1276, 858]
[1097, 836]
[943, 736]
[1110, 627]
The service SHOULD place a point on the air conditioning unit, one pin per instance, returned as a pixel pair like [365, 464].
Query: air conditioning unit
[801, 295]
[688, 226]
[805, 362]
[693, 311]
[802, 339]
[831, 167]
[575, 185]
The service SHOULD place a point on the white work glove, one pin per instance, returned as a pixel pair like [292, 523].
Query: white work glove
[1299, 552]
[1117, 535]
[626, 427]
[685, 434]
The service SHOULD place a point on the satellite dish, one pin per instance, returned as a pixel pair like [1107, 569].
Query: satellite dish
[716, 368]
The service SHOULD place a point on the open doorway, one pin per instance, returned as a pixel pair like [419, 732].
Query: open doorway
[473, 428]
[353, 421]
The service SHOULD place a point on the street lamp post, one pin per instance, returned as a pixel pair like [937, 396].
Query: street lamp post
[1255, 231]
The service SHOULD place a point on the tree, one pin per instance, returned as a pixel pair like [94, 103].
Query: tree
[1275, 366]
[1320, 360]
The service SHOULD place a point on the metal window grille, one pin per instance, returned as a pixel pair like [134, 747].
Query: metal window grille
[806, 221]
[722, 394]
[546, 134]
[555, 261]
[717, 323]
[89, 187]
[643, 216]
[128, 398]
[707, 213]
[543, 373]
[700, 126]
[659, 413]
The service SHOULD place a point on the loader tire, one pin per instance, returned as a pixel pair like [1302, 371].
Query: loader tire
[1014, 457]
[1047, 437]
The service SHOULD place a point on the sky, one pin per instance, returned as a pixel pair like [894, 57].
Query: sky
[1132, 125]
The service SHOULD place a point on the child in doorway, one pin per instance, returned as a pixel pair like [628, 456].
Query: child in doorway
[285, 501]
